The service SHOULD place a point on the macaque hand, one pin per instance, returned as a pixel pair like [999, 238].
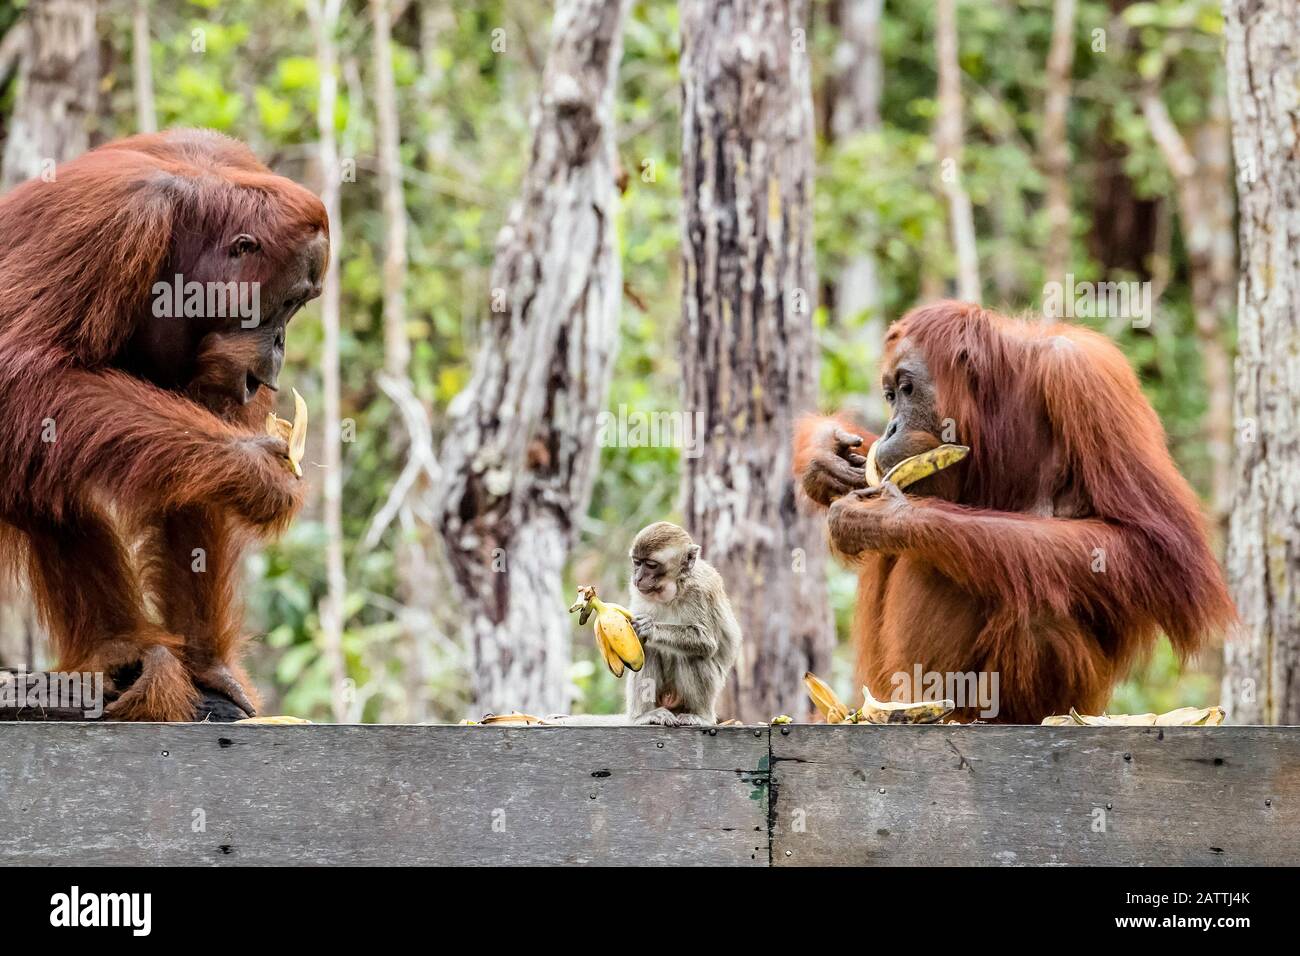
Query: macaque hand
[835, 468]
[869, 519]
[644, 626]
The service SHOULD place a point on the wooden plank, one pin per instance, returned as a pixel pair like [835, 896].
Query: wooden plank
[1035, 795]
[322, 794]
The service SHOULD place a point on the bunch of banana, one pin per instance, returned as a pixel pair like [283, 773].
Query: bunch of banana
[911, 470]
[873, 711]
[617, 642]
[1182, 717]
[294, 432]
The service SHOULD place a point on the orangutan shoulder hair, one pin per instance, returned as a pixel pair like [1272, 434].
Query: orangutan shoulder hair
[691, 635]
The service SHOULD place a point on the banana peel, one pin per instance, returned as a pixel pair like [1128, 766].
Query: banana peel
[873, 711]
[615, 638]
[293, 433]
[825, 700]
[1181, 717]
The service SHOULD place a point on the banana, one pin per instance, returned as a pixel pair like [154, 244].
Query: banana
[612, 660]
[515, 719]
[872, 469]
[781, 719]
[293, 433]
[911, 470]
[616, 630]
[274, 721]
[825, 699]
[615, 638]
[901, 712]
[298, 434]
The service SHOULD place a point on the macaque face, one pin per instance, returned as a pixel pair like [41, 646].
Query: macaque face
[654, 574]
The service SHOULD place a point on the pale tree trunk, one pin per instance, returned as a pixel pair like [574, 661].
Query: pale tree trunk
[435, 18]
[859, 65]
[1053, 145]
[55, 50]
[416, 589]
[146, 117]
[397, 349]
[520, 452]
[1262, 666]
[324, 16]
[58, 89]
[747, 350]
[1202, 176]
[949, 137]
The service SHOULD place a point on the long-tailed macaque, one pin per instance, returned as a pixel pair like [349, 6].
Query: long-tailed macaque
[684, 620]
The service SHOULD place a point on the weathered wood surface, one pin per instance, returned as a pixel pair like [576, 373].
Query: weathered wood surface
[193, 793]
[324, 794]
[1035, 795]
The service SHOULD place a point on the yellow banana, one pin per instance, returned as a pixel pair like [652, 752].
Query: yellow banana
[294, 433]
[615, 638]
[902, 712]
[615, 627]
[872, 469]
[825, 699]
[612, 660]
[298, 434]
[911, 470]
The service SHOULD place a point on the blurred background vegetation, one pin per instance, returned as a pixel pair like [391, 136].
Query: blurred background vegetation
[464, 92]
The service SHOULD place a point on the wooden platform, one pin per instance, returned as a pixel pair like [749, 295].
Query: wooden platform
[104, 793]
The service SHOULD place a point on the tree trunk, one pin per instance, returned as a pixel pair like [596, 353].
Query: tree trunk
[520, 451]
[949, 137]
[1203, 188]
[146, 117]
[1054, 147]
[1262, 666]
[859, 65]
[747, 350]
[55, 49]
[58, 88]
[324, 16]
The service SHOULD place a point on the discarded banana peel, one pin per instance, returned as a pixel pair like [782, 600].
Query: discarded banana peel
[872, 711]
[279, 720]
[911, 470]
[514, 719]
[901, 712]
[615, 638]
[293, 433]
[1182, 717]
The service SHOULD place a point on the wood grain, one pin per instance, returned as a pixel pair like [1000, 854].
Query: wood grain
[1035, 795]
[107, 793]
[321, 794]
